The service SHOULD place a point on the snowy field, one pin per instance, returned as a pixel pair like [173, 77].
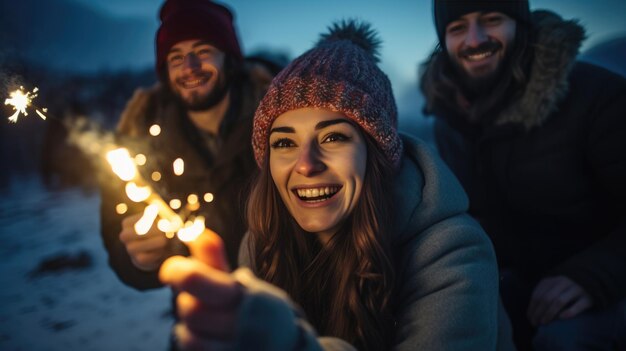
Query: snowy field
[56, 289]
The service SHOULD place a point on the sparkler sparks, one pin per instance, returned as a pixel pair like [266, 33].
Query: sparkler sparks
[137, 193]
[179, 166]
[192, 199]
[155, 130]
[167, 226]
[150, 214]
[156, 176]
[125, 167]
[21, 100]
[140, 159]
[121, 208]
[191, 230]
[175, 204]
[208, 197]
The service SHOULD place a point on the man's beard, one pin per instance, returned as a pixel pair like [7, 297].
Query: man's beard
[478, 85]
[203, 103]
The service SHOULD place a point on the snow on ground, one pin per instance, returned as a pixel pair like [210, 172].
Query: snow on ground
[82, 308]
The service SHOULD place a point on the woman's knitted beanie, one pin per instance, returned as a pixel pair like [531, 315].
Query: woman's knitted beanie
[339, 74]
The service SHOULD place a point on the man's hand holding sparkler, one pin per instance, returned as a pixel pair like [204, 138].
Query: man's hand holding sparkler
[209, 298]
[149, 250]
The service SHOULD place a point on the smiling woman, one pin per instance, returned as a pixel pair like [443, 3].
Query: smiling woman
[317, 161]
[364, 229]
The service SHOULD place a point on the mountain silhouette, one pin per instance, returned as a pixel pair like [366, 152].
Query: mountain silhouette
[610, 54]
[69, 36]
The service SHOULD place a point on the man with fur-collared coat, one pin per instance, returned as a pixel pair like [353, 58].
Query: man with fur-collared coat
[538, 141]
[203, 106]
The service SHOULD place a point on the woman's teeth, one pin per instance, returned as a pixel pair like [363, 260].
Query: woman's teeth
[317, 194]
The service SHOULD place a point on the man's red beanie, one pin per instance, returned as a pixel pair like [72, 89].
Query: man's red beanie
[195, 19]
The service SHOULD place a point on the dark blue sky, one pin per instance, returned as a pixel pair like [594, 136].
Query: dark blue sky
[96, 35]
[404, 25]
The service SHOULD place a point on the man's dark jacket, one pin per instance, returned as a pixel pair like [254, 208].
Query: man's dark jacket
[225, 172]
[546, 176]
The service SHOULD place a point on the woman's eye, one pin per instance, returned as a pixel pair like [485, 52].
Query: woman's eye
[282, 143]
[333, 137]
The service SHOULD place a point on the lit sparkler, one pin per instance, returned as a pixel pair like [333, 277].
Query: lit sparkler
[20, 101]
[138, 190]
[125, 167]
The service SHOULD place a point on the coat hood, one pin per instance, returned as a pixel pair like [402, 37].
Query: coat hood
[425, 191]
[555, 47]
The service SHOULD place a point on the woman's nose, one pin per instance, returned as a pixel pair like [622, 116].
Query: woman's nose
[309, 161]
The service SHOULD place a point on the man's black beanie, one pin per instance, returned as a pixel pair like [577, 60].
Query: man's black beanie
[447, 11]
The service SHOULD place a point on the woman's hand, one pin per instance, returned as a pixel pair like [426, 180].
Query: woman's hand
[209, 297]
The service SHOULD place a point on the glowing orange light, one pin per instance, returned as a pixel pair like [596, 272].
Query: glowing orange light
[20, 100]
[164, 225]
[155, 130]
[192, 199]
[156, 176]
[137, 193]
[179, 166]
[169, 221]
[175, 204]
[123, 165]
[41, 113]
[121, 208]
[208, 197]
[192, 202]
[144, 224]
[167, 226]
[140, 159]
[191, 230]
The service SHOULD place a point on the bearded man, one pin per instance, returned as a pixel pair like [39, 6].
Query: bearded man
[538, 141]
[203, 104]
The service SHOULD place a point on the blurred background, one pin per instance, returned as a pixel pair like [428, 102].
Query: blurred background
[86, 57]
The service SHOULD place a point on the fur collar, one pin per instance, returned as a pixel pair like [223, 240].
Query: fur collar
[555, 50]
[556, 45]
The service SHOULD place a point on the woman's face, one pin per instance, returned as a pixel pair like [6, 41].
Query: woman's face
[317, 161]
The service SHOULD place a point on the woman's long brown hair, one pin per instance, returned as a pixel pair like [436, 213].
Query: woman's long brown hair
[345, 287]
